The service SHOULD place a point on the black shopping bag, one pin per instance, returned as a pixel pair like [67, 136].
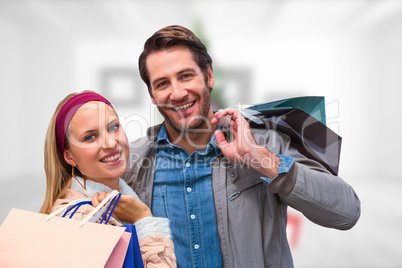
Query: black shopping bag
[303, 120]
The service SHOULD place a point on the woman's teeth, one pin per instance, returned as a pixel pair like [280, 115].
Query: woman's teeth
[111, 158]
[183, 107]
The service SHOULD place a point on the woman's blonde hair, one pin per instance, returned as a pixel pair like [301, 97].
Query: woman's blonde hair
[58, 172]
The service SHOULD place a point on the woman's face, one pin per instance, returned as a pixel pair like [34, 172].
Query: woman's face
[97, 143]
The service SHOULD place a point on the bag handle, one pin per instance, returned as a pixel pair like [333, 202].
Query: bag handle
[64, 208]
[100, 209]
[95, 214]
[110, 211]
[75, 207]
[248, 113]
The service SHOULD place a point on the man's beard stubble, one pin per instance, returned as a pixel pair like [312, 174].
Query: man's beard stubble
[199, 121]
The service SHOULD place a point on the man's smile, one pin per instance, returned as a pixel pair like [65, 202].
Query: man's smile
[183, 107]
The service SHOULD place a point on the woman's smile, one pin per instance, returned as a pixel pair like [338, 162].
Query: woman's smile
[112, 159]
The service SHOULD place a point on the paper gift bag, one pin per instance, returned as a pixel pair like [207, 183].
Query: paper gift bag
[29, 239]
[132, 257]
[303, 120]
[118, 256]
[313, 105]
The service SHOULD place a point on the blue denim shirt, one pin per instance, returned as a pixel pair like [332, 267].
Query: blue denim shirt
[183, 194]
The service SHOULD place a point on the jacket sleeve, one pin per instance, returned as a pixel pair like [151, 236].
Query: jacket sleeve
[157, 251]
[308, 187]
[155, 242]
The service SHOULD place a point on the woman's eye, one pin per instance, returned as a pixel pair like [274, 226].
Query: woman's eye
[89, 137]
[114, 128]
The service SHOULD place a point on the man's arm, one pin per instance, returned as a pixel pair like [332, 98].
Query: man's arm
[302, 183]
[309, 187]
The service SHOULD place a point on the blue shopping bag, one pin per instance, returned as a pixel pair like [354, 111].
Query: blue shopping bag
[133, 256]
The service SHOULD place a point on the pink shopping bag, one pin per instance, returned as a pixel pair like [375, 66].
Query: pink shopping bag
[27, 239]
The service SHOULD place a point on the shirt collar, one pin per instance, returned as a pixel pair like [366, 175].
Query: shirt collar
[162, 136]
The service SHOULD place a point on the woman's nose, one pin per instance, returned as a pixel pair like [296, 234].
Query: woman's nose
[109, 141]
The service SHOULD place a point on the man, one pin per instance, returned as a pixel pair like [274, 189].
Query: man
[225, 195]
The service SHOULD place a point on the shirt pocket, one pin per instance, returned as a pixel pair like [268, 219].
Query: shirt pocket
[159, 202]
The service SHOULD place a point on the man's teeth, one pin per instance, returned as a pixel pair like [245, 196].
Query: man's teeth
[111, 158]
[183, 107]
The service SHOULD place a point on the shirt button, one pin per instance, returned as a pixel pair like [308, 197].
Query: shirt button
[196, 246]
[192, 216]
[188, 164]
[188, 189]
[232, 174]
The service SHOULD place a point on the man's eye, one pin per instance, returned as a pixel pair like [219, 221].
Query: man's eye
[161, 84]
[185, 76]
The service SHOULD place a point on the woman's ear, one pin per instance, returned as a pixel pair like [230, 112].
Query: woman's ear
[68, 158]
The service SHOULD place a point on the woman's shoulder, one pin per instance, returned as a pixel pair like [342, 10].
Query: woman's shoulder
[68, 196]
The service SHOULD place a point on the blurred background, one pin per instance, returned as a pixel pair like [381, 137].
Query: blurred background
[348, 51]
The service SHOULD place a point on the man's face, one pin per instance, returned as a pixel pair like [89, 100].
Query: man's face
[179, 89]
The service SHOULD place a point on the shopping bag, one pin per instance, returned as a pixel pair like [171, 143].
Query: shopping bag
[313, 105]
[30, 239]
[119, 253]
[133, 257]
[303, 120]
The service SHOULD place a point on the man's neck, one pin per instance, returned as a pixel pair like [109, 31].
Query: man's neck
[191, 141]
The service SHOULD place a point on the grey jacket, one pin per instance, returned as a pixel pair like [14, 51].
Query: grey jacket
[252, 217]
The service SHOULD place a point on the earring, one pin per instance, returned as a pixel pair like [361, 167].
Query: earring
[85, 181]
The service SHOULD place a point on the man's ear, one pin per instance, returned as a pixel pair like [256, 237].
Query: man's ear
[211, 77]
[69, 158]
[153, 100]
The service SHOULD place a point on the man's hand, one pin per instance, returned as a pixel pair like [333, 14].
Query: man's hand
[244, 148]
[128, 209]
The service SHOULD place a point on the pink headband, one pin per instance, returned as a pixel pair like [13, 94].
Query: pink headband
[68, 110]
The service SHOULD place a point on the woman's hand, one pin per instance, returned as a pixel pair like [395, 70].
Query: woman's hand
[128, 209]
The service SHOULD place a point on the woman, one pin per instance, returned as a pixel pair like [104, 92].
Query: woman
[86, 152]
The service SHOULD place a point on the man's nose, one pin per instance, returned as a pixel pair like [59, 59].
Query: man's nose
[178, 92]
